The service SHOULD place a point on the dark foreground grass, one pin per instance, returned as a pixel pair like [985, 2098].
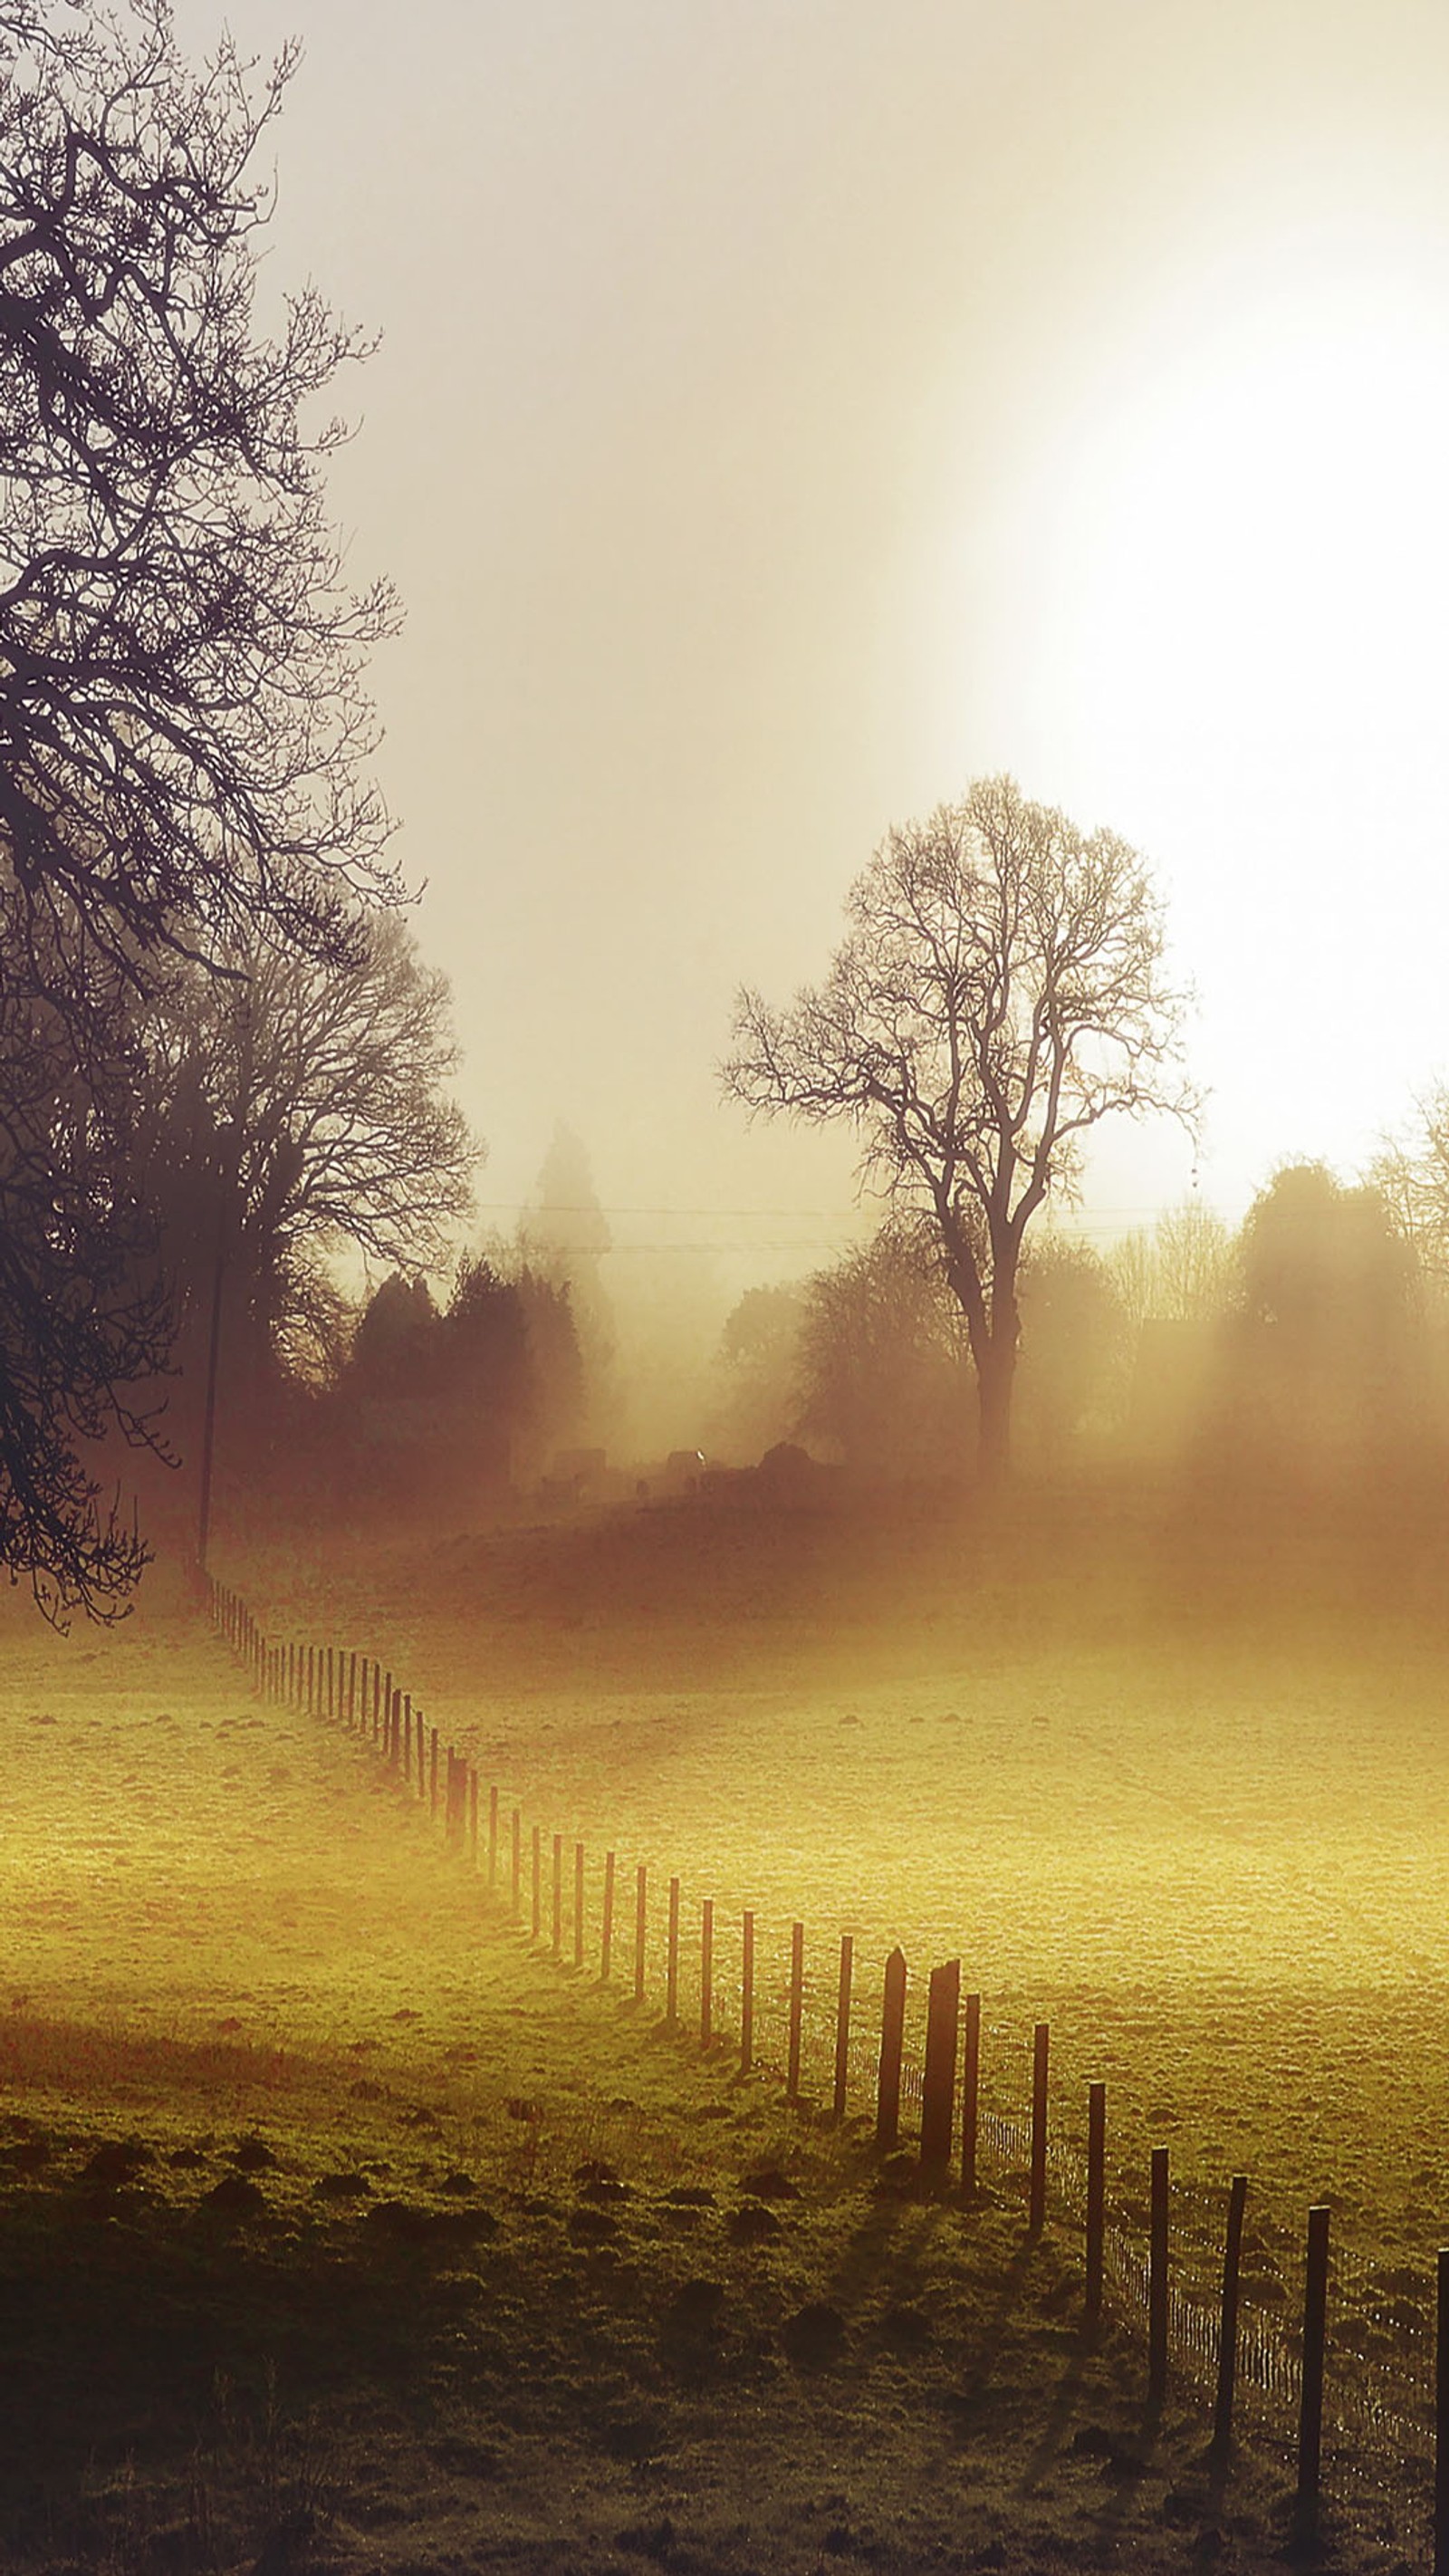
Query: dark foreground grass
[346, 2328]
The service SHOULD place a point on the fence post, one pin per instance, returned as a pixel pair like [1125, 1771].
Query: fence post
[1315, 2331]
[797, 2009]
[641, 1915]
[1222, 2441]
[671, 1971]
[432, 1767]
[938, 2089]
[1040, 2046]
[892, 2036]
[472, 1815]
[537, 1881]
[422, 1752]
[747, 1994]
[578, 1905]
[842, 2025]
[557, 1942]
[517, 1899]
[1441, 2418]
[493, 1838]
[1157, 2280]
[607, 1942]
[706, 1972]
[970, 2096]
[352, 1687]
[1096, 2197]
[331, 1684]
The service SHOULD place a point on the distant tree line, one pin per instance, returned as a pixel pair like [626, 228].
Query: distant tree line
[230, 1164]
[1312, 1344]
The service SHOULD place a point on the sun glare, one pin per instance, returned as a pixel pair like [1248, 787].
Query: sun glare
[1218, 605]
[1258, 533]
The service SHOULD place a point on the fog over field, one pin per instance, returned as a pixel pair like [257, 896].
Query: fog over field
[724, 1287]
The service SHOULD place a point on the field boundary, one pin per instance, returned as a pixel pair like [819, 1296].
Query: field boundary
[1336, 2365]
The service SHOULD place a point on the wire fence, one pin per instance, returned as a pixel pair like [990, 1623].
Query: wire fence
[822, 2034]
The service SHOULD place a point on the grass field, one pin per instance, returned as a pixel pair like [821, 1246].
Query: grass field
[342, 2230]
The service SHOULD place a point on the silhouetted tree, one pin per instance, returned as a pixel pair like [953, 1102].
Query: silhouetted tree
[1322, 1351]
[460, 1401]
[1074, 1332]
[1180, 1271]
[999, 992]
[1411, 1175]
[758, 1371]
[559, 1396]
[310, 1099]
[884, 1371]
[563, 1239]
[179, 652]
[1194, 1261]
[395, 1345]
[182, 730]
[81, 1322]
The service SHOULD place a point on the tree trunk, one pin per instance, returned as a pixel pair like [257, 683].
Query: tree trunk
[996, 1379]
[995, 1376]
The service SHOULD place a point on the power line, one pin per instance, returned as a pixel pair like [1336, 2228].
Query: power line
[524, 1207]
[800, 1216]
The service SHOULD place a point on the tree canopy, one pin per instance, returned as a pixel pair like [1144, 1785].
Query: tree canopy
[184, 735]
[1001, 989]
[302, 1106]
[181, 713]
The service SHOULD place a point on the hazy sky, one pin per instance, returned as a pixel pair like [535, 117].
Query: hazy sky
[786, 411]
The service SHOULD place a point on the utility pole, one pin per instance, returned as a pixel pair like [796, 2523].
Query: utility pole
[227, 1211]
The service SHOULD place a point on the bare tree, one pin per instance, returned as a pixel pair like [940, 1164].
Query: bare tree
[1195, 1263]
[1411, 1175]
[881, 1363]
[1180, 1272]
[183, 733]
[304, 1108]
[1000, 991]
[81, 1322]
[180, 709]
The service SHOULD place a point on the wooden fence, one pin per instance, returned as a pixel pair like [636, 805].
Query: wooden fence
[1368, 2367]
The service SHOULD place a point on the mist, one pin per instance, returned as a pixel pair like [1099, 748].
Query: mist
[724, 1287]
